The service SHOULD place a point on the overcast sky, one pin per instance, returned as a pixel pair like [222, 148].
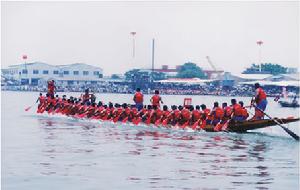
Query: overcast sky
[98, 33]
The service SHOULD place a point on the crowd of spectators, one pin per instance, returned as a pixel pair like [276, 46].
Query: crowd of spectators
[164, 88]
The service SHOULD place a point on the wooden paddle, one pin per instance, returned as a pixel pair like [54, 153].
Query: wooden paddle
[292, 134]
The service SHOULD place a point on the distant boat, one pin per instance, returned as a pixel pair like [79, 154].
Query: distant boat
[293, 104]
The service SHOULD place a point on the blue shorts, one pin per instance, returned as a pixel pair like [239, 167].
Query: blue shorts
[139, 106]
[262, 105]
[238, 118]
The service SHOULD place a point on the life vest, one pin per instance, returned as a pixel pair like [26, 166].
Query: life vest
[218, 113]
[185, 113]
[85, 97]
[138, 97]
[166, 113]
[119, 111]
[50, 86]
[127, 111]
[134, 112]
[206, 112]
[244, 112]
[42, 99]
[237, 110]
[196, 115]
[227, 111]
[261, 95]
[159, 113]
[156, 100]
[177, 114]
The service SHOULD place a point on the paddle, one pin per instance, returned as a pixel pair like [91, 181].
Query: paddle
[195, 124]
[292, 134]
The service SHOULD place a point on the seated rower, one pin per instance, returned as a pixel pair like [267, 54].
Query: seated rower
[244, 111]
[206, 114]
[227, 111]
[236, 111]
[217, 113]
[185, 115]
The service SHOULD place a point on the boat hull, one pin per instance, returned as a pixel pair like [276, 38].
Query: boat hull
[244, 126]
[288, 104]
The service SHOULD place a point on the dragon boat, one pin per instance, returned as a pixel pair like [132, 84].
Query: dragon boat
[233, 126]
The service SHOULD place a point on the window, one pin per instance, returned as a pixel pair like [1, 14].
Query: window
[35, 71]
[100, 75]
[96, 73]
[34, 81]
[85, 73]
[70, 82]
[55, 72]
[45, 72]
[66, 72]
[24, 71]
[75, 72]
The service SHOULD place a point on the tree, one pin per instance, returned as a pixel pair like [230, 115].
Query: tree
[140, 74]
[266, 68]
[190, 70]
[115, 76]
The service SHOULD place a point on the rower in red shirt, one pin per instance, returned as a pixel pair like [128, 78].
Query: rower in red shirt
[51, 87]
[156, 99]
[217, 113]
[244, 111]
[206, 114]
[227, 111]
[236, 111]
[138, 99]
[261, 102]
[185, 115]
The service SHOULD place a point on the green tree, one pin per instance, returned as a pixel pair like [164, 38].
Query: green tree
[140, 74]
[191, 70]
[115, 76]
[269, 68]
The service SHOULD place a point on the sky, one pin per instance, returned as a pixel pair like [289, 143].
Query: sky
[98, 33]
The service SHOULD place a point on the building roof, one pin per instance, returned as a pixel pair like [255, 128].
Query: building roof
[253, 76]
[185, 80]
[272, 83]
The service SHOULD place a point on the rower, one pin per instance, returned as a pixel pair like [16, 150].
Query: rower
[217, 113]
[156, 99]
[244, 111]
[86, 96]
[227, 111]
[261, 102]
[236, 111]
[138, 99]
[185, 115]
[206, 114]
[51, 87]
[196, 114]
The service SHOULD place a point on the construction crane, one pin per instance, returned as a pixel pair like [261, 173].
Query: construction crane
[212, 65]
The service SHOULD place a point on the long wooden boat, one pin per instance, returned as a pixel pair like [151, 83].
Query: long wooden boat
[244, 126]
[288, 104]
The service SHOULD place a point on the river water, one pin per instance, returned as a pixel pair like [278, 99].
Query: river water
[55, 152]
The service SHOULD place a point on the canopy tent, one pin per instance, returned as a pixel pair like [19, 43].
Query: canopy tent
[186, 81]
[276, 83]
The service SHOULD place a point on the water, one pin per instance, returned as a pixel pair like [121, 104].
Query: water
[42, 152]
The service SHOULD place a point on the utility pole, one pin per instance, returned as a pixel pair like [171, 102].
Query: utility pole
[133, 43]
[153, 55]
[259, 43]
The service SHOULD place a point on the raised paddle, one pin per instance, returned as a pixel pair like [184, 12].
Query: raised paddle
[292, 134]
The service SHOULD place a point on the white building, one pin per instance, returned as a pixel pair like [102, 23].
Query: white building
[38, 73]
